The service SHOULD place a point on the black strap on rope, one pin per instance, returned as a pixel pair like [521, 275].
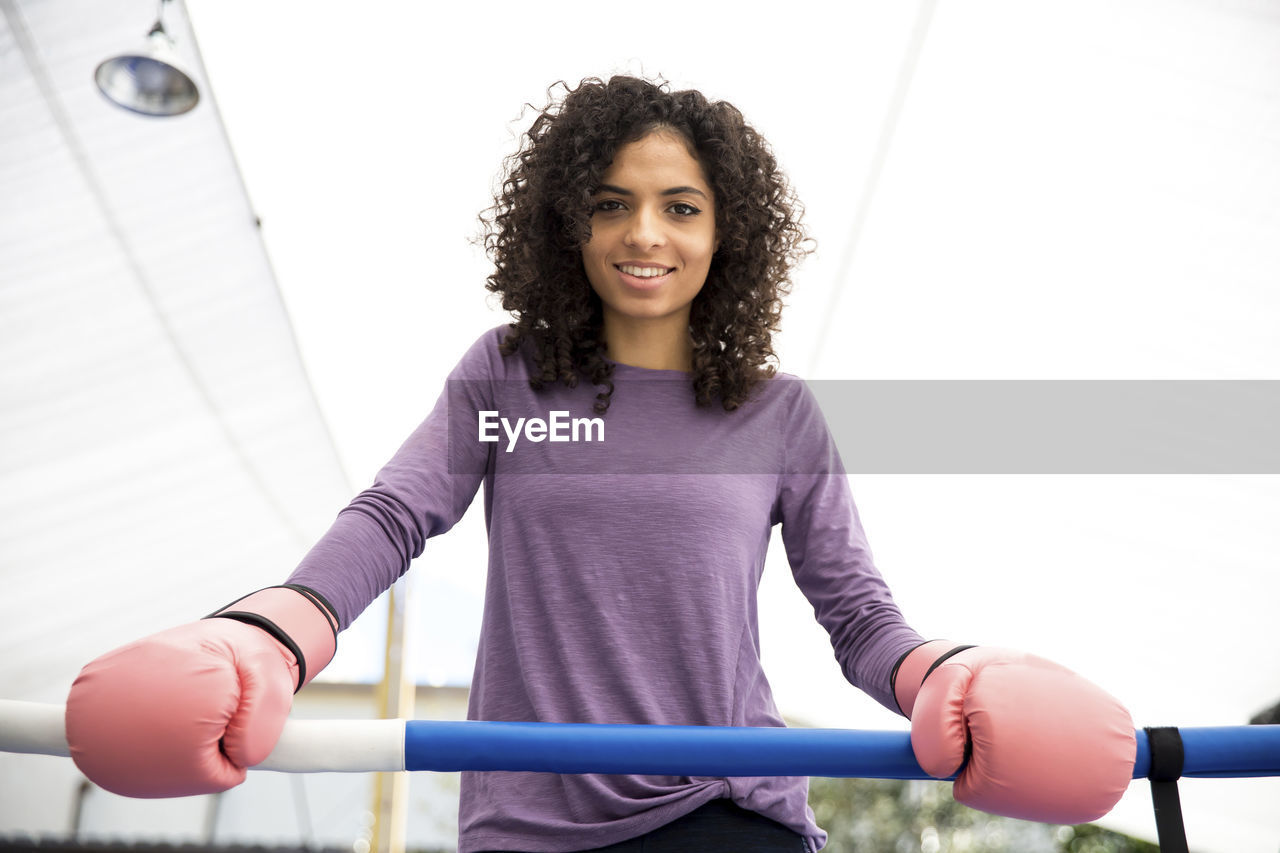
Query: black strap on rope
[1165, 744]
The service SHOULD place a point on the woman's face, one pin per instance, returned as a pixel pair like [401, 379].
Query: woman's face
[653, 232]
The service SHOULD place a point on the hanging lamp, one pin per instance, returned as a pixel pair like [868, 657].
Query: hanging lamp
[149, 81]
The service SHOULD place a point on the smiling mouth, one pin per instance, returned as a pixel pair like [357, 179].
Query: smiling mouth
[644, 272]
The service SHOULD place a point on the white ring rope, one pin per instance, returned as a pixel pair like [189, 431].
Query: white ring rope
[305, 746]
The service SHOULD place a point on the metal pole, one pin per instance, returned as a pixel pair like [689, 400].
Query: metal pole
[395, 701]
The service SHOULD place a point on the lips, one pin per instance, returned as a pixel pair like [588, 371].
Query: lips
[644, 270]
[642, 278]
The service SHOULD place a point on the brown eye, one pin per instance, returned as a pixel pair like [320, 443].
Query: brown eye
[682, 208]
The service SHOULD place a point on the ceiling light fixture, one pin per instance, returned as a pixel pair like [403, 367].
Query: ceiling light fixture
[149, 81]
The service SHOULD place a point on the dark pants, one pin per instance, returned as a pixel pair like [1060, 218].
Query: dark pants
[719, 826]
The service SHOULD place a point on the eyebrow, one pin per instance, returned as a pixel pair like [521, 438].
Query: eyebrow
[612, 188]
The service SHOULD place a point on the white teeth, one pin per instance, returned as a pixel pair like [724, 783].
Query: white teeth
[644, 272]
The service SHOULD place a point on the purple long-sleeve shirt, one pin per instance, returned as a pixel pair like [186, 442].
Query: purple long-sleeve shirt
[623, 569]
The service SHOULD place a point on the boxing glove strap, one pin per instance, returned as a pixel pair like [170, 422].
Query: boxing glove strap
[940, 661]
[297, 617]
[915, 665]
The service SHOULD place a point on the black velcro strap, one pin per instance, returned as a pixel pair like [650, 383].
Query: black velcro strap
[319, 601]
[943, 659]
[893, 674]
[1165, 744]
[276, 632]
[249, 617]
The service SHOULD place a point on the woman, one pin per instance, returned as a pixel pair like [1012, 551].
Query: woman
[643, 240]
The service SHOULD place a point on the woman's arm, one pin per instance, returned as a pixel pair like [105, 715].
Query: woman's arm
[829, 555]
[186, 710]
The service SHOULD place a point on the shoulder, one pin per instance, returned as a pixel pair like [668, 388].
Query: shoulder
[484, 358]
[806, 431]
[488, 345]
[788, 392]
[786, 407]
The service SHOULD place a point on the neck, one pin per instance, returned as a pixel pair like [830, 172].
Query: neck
[659, 344]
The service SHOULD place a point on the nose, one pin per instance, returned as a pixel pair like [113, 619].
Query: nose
[644, 229]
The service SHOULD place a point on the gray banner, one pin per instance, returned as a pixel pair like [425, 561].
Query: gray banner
[880, 427]
[1054, 426]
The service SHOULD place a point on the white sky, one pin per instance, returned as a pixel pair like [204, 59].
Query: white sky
[1082, 190]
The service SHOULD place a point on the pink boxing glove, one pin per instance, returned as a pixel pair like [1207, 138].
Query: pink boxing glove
[186, 710]
[1042, 743]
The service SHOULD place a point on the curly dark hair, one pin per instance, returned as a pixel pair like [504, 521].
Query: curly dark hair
[541, 219]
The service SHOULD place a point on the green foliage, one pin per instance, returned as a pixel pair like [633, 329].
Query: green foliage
[878, 816]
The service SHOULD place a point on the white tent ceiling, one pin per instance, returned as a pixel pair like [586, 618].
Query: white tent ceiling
[999, 190]
[161, 444]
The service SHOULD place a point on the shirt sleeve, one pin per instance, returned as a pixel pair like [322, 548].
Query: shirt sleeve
[830, 558]
[421, 492]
